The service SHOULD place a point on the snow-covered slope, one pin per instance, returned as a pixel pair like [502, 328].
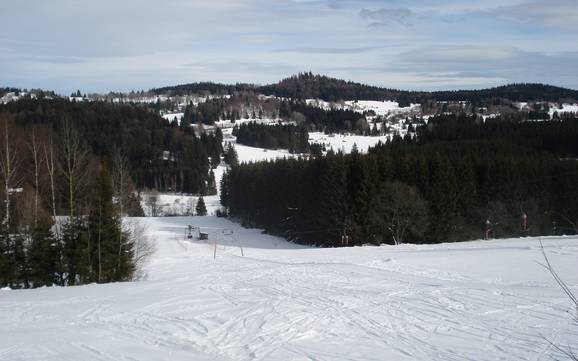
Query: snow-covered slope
[475, 300]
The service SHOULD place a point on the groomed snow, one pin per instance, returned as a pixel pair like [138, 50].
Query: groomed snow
[475, 300]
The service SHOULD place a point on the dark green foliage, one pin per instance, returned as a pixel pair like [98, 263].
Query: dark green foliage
[224, 196]
[310, 86]
[285, 136]
[461, 184]
[211, 184]
[79, 250]
[398, 214]
[206, 113]
[13, 266]
[333, 120]
[44, 257]
[6, 264]
[110, 251]
[557, 137]
[202, 88]
[160, 156]
[201, 209]
[230, 157]
[76, 253]
[95, 249]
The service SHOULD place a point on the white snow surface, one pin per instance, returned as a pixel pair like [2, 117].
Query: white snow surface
[345, 142]
[562, 108]
[172, 116]
[482, 300]
[248, 154]
[182, 204]
[382, 108]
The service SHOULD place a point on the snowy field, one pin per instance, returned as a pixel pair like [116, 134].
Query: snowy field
[344, 143]
[469, 301]
[248, 154]
[174, 116]
[383, 108]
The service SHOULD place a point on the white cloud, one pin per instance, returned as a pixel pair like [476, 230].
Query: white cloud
[70, 44]
[560, 14]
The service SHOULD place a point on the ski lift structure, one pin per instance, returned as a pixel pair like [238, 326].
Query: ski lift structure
[193, 232]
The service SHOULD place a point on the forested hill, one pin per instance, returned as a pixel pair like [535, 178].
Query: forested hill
[515, 92]
[8, 90]
[310, 86]
[202, 87]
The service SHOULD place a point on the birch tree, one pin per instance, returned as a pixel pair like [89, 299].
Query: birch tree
[50, 162]
[9, 167]
[74, 164]
[34, 147]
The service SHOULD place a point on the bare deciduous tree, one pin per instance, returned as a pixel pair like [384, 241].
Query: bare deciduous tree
[152, 203]
[143, 247]
[121, 180]
[34, 147]
[9, 167]
[398, 210]
[50, 161]
[74, 165]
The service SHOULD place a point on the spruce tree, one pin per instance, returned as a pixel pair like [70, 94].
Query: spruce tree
[76, 253]
[211, 184]
[201, 209]
[111, 250]
[43, 256]
[231, 157]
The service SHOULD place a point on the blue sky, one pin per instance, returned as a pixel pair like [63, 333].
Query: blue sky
[423, 44]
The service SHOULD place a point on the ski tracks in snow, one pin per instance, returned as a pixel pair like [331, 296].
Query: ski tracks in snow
[364, 303]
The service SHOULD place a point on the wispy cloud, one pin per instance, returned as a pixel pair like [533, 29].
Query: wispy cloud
[560, 14]
[107, 44]
[387, 16]
[328, 50]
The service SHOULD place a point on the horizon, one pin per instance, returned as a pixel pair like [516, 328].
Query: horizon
[259, 85]
[425, 45]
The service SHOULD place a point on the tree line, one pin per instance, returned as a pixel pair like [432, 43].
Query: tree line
[407, 191]
[556, 137]
[286, 136]
[161, 155]
[311, 86]
[60, 225]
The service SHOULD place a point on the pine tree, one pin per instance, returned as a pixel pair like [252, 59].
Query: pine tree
[111, 251]
[43, 256]
[211, 184]
[231, 157]
[224, 196]
[76, 253]
[201, 209]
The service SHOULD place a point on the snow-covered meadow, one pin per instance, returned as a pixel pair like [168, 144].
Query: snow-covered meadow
[344, 142]
[482, 300]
